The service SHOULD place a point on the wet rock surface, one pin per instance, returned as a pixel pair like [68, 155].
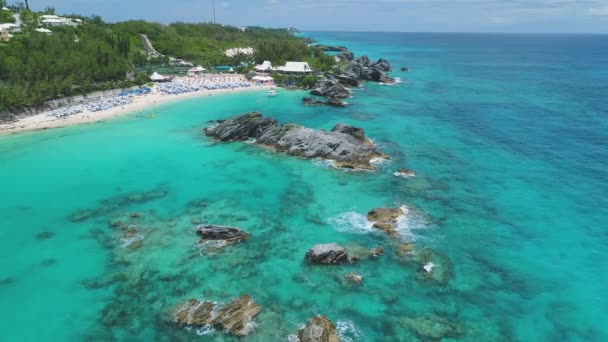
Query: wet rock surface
[333, 102]
[235, 317]
[385, 219]
[318, 329]
[327, 254]
[345, 145]
[228, 234]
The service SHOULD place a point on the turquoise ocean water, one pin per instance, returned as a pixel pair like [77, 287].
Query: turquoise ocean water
[508, 135]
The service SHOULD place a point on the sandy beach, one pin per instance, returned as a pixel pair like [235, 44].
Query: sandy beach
[44, 121]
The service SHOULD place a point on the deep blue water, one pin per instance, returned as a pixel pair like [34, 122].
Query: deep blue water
[508, 135]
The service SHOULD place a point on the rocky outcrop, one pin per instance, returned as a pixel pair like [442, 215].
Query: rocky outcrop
[346, 56]
[329, 48]
[405, 69]
[236, 317]
[385, 219]
[433, 327]
[331, 87]
[405, 173]
[345, 145]
[363, 69]
[328, 254]
[229, 235]
[318, 329]
[333, 102]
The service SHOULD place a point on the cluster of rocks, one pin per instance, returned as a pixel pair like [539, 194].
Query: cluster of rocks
[332, 102]
[236, 317]
[345, 145]
[336, 85]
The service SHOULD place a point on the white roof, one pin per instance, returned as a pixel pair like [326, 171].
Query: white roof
[262, 78]
[296, 67]
[156, 76]
[197, 68]
[8, 25]
[264, 66]
[43, 30]
[5, 9]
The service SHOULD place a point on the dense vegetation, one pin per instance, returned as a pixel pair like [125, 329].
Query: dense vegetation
[36, 67]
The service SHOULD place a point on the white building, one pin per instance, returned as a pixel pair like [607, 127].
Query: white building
[43, 30]
[295, 68]
[52, 20]
[12, 28]
[264, 67]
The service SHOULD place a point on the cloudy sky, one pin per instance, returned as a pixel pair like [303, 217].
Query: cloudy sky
[361, 15]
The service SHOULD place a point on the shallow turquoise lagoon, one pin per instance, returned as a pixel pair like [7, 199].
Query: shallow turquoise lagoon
[508, 135]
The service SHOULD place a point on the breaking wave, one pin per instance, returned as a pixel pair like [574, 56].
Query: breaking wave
[357, 223]
[347, 330]
[352, 222]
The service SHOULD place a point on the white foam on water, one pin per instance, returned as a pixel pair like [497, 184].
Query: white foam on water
[378, 160]
[293, 338]
[205, 330]
[126, 242]
[250, 141]
[404, 174]
[347, 330]
[249, 327]
[352, 222]
[397, 81]
[409, 222]
[324, 163]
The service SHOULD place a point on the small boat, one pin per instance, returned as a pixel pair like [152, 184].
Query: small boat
[272, 92]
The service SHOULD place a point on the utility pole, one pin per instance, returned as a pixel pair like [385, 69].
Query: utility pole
[214, 11]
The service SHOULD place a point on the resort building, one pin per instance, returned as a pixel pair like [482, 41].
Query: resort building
[196, 71]
[265, 67]
[295, 69]
[12, 28]
[43, 30]
[52, 20]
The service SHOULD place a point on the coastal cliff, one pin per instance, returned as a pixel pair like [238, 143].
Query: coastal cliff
[345, 145]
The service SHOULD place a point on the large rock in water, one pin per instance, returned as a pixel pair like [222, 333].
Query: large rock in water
[327, 254]
[345, 145]
[385, 219]
[235, 317]
[318, 329]
[228, 234]
[331, 87]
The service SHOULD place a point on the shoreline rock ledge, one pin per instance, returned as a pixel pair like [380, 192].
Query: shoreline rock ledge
[345, 145]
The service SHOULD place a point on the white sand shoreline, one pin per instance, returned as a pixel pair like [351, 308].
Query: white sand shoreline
[43, 121]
